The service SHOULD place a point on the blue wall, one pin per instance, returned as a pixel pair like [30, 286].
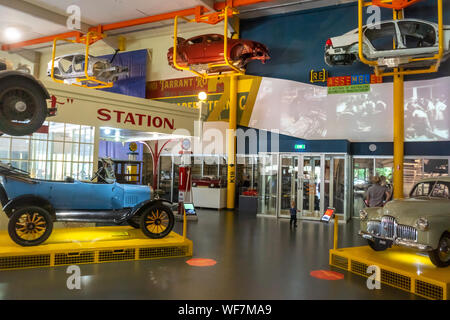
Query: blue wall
[117, 151]
[135, 84]
[297, 40]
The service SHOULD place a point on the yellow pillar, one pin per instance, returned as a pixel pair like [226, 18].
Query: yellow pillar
[399, 135]
[231, 185]
[399, 126]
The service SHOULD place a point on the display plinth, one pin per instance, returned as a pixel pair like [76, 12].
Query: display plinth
[91, 245]
[401, 268]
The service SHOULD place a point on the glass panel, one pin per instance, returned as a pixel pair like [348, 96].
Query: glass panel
[165, 176]
[384, 168]
[86, 152]
[56, 131]
[87, 134]
[37, 169]
[56, 171]
[20, 149]
[268, 176]
[5, 144]
[71, 151]
[38, 150]
[22, 165]
[440, 190]
[412, 173]
[72, 133]
[289, 176]
[435, 167]
[310, 185]
[362, 172]
[55, 151]
[339, 185]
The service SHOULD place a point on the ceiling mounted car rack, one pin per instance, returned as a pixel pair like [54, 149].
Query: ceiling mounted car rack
[87, 81]
[397, 6]
[212, 18]
[394, 4]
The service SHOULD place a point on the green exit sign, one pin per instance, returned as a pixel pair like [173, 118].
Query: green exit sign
[300, 147]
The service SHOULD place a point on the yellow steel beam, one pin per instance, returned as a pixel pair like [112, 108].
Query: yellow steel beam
[336, 231]
[231, 185]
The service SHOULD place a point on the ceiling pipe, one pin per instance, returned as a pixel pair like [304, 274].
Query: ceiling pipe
[197, 11]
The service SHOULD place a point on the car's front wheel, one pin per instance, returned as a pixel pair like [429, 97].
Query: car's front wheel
[30, 226]
[441, 256]
[379, 245]
[157, 221]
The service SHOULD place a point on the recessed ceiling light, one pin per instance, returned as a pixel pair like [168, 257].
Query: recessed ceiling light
[12, 34]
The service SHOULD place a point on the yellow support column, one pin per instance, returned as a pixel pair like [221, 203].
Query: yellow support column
[231, 185]
[399, 126]
[399, 135]
[336, 231]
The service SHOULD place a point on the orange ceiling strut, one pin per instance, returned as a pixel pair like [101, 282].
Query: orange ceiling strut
[394, 4]
[198, 12]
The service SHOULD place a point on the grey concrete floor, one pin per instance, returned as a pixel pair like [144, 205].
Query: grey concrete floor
[257, 258]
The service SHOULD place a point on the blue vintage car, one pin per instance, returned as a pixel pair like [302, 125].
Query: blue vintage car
[32, 205]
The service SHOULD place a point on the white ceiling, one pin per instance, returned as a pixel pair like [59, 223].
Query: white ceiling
[96, 12]
[29, 26]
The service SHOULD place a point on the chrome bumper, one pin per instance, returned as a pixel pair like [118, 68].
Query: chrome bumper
[398, 242]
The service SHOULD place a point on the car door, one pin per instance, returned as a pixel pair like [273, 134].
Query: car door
[86, 196]
[382, 40]
[418, 38]
[194, 49]
[214, 48]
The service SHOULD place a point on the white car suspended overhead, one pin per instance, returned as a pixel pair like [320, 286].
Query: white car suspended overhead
[70, 67]
[392, 43]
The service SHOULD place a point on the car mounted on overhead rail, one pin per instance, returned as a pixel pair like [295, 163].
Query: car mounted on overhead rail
[412, 38]
[201, 50]
[32, 205]
[23, 103]
[421, 222]
[70, 68]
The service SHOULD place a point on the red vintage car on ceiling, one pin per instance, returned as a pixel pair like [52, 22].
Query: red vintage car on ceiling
[208, 48]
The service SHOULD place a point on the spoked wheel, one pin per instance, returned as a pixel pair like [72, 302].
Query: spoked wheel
[23, 107]
[30, 226]
[441, 256]
[157, 221]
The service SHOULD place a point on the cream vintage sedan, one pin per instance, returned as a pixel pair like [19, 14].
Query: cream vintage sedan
[421, 221]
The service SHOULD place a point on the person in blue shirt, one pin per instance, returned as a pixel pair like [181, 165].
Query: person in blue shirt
[293, 210]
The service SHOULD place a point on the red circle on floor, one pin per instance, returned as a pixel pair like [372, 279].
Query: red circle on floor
[198, 262]
[326, 275]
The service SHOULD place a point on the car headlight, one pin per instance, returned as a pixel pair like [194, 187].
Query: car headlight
[422, 224]
[362, 214]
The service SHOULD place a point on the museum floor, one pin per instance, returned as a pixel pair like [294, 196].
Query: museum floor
[257, 258]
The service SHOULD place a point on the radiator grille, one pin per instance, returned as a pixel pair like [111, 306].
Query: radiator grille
[388, 227]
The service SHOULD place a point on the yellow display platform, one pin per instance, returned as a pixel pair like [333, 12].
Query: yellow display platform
[91, 245]
[401, 268]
